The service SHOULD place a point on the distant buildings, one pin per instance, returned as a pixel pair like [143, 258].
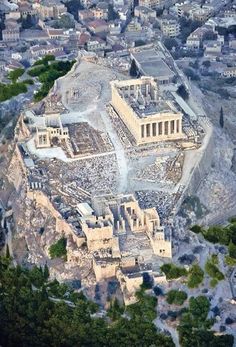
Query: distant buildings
[149, 63]
[229, 72]
[170, 27]
[100, 11]
[150, 3]
[50, 10]
[40, 50]
[11, 35]
[194, 11]
[97, 26]
[194, 40]
[144, 13]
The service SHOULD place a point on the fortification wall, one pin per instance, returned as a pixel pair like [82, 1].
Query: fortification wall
[61, 225]
[202, 167]
[17, 171]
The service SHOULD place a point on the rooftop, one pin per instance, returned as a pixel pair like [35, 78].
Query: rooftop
[152, 64]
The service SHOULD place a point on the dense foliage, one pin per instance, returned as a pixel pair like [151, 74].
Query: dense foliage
[183, 92]
[213, 271]
[48, 70]
[35, 312]
[176, 297]
[220, 234]
[172, 271]
[196, 275]
[187, 26]
[194, 327]
[73, 6]
[7, 91]
[58, 249]
[15, 74]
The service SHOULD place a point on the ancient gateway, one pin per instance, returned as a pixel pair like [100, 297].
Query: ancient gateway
[147, 115]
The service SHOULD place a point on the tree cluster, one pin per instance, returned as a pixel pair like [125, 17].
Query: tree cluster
[37, 313]
[176, 297]
[195, 277]
[194, 326]
[15, 74]
[225, 235]
[190, 73]
[182, 91]
[187, 26]
[73, 6]
[213, 271]
[172, 271]
[7, 91]
[65, 22]
[48, 70]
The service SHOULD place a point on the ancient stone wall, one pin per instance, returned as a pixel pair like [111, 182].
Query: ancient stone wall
[201, 169]
[16, 171]
[61, 225]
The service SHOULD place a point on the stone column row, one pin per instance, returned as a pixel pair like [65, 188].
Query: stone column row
[160, 128]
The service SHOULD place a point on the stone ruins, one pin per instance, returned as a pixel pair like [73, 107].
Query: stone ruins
[147, 115]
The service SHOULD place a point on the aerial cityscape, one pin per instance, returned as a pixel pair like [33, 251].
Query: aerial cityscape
[118, 173]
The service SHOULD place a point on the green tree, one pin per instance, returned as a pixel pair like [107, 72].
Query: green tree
[170, 43]
[213, 271]
[182, 91]
[58, 249]
[196, 275]
[172, 271]
[116, 310]
[196, 229]
[46, 273]
[232, 250]
[221, 118]
[206, 64]
[15, 74]
[29, 317]
[133, 69]
[7, 252]
[112, 15]
[176, 297]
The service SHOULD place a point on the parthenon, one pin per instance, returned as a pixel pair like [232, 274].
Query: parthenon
[146, 114]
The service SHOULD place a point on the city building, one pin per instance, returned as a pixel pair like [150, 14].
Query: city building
[144, 13]
[11, 34]
[229, 72]
[50, 10]
[98, 26]
[212, 49]
[146, 114]
[100, 11]
[40, 50]
[85, 14]
[150, 3]
[195, 39]
[170, 27]
[150, 63]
